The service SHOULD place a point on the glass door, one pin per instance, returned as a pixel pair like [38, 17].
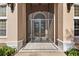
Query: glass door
[38, 29]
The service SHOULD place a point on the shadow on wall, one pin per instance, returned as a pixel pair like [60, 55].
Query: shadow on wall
[69, 5]
[69, 34]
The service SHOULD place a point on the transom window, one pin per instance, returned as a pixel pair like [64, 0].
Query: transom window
[3, 19]
[39, 16]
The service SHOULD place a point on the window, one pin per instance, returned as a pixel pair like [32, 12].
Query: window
[3, 19]
[2, 10]
[39, 16]
[2, 27]
[76, 20]
[76, 27]
[76, 10]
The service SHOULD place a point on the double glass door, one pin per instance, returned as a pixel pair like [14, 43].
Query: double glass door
[39, 29]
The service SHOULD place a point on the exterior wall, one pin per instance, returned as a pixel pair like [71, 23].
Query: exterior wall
[64, 27]
[51, 27]
[68, 27]
[21, 24]
[60, 25]
[60, 21]
[11, 28]
[15, 27]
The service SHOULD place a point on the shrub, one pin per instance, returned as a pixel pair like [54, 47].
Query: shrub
[72, 52]
[7, 51]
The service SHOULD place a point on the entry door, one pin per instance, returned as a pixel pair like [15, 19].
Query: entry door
[38, 26]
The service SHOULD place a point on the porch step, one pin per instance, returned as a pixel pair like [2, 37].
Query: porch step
[40, 53]
[40, 49]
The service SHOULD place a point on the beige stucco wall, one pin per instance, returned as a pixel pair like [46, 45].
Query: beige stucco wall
[11, 25]
[68, 23]
[60, 21]
[64, 26]
[21, 21]
[68, 27]
[21, 24]
[51, 30]
[15, 26]
[51, 27]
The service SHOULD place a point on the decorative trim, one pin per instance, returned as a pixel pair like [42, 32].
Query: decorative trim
[76, 17]
[1, 4]
[60, 40]
[76, 4]
[64, 41]
[3, 37]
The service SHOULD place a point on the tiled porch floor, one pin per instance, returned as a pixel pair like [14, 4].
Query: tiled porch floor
[39, 46]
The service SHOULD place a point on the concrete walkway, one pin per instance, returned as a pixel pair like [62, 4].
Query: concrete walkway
[40, 49]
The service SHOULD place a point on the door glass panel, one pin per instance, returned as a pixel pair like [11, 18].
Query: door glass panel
[42, 28]
[36, 28]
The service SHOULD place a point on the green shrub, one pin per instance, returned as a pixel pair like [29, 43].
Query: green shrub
[6, 51]
[72, 52]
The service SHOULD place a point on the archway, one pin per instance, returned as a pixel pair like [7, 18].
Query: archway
[39, 28]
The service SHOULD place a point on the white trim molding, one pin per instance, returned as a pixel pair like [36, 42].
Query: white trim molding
[76, 4]
[3, 3]
[76, 17]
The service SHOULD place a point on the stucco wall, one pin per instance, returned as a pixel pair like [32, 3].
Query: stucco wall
[21, 24]
[68, 27]
[65, 26]
[68, 23]
[11, 25]
[15, 26]
[51, 27]
[60, 21]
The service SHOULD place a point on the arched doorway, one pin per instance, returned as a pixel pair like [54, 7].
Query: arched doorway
[39, 26]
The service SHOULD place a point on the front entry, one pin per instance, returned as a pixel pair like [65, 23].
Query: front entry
[39, 28]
